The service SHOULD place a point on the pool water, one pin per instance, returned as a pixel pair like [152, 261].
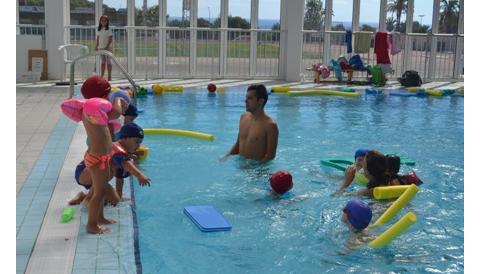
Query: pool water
[301, 233]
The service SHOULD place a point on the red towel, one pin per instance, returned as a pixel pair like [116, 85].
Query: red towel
[381, 48]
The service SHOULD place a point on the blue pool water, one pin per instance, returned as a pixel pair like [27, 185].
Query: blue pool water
[303, 232]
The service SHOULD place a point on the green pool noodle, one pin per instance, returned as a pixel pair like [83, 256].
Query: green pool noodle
[67, 214]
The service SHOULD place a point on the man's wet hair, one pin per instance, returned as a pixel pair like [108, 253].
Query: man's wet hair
[260, 92]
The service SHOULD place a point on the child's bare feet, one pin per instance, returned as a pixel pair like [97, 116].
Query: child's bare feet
[77, 199]
[105, 221]
[98, 229]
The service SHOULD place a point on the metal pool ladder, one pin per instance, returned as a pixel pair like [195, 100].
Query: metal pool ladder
[112, 57]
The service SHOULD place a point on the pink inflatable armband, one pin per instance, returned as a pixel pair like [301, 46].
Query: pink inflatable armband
[96, 111]
[73, 108]
[115, 125]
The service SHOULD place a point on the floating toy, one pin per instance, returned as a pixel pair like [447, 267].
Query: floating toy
[347, 89]
[401, 93]
[373, 91]
[180, 132]
[414, 89]
[211, 87]
[323, 92]
[67, 214]
[281, 182]
[394, 231]
[361, 178]
[406, 197]
[120, 94]
[340, 164]
[280, 89]
[158, 89]
[389, 192]
[142, 152]
[460, 91]
[207, 218]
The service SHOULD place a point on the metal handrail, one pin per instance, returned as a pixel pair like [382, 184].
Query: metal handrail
[109, 54]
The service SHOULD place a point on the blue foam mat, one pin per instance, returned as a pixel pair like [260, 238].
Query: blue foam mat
[207, 218]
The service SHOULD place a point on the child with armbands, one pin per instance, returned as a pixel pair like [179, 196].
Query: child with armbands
[352, 169]
[393, 167]
[357, 216]
[122, 164]
[95, 112]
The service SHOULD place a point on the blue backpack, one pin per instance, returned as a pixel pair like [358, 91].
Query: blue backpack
[356, 62]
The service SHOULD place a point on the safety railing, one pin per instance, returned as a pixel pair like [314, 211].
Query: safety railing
[114, 61]
[171, 51]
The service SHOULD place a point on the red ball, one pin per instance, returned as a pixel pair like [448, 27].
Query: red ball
[95, 87]
[281, 181]
[212, 87]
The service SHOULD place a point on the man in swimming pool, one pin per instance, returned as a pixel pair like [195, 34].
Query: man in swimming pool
[258, 133]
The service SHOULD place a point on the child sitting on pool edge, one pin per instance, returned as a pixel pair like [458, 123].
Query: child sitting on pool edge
[131, 136]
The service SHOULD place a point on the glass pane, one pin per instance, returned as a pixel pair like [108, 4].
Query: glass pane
[269, 14]
[146, 13]
[239, 14]
[314, 15]
[369, 15]
[208, 14]
[396, 15]
[116, 10]
[178, 13]
[82, 13]
[31, 12]
[449, 10]
[342, 15]
[422, 16]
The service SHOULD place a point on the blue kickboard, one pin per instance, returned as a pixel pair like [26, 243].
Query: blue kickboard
[207, 218]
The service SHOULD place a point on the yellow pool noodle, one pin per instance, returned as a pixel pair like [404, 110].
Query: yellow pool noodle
[413, 89]
[143, 149]
[460, 91]
[323, 92]
[397, 205]
[388, 192]
[181, 132]
[394, 231]
[434, 92]
[280, 89]
[220, 89]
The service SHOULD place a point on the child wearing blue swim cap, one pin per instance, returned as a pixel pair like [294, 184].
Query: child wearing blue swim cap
[352, 169]
[357, 215]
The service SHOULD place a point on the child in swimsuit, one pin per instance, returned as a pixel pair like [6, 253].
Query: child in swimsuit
[352, 169]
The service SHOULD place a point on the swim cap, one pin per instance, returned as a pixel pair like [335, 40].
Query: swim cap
[212, 87]
[131, 130]
[361, 152]
[281, 181]
[95, 87]
[359, 214]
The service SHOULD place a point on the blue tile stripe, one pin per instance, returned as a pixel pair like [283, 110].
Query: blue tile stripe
[34, 197]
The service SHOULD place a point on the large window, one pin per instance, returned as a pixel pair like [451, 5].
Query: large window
[146, 13]
[116, 10]
[178, 13]
[396, 15]
[82, 13]
[31, 12]
[342, 15]
[449, 10]
[314, 15]
[239, 14]
[369, 15]
[208, 14]
[269, 14]
[422, 16]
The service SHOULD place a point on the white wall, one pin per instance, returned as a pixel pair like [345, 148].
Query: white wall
[24, 43]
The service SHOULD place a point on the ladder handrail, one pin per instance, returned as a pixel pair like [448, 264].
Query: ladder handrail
[109, 54]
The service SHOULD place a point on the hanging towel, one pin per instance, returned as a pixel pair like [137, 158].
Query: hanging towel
[362, 42]
[381, 48]
[395, 40]
[348, 40]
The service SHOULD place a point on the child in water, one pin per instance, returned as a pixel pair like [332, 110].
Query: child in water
[357, 216]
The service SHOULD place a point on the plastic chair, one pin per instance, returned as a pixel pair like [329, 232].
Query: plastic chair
[70, 52]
